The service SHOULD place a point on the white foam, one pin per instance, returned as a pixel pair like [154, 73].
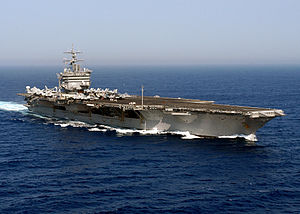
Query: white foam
[121, 131]
[97, 130]
[188, 136]
[12, 106]
[72, 123]
[185, 135]
[124, 131]
[63, 125]
[250, 137]
[149, 132]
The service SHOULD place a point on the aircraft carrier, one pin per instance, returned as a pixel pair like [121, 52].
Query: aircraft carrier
[74, 99]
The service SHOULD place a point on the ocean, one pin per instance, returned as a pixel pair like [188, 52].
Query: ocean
[57, 166]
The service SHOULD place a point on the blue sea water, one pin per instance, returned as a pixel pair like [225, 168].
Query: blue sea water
[48, 167]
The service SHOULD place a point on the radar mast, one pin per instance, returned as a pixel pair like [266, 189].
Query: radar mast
[72, 63]
[74, 78]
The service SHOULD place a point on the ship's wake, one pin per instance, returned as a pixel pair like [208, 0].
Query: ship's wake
[120, 131]
[17, 107]
[12, 106]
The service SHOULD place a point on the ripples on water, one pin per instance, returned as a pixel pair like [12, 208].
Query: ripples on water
[58, 166]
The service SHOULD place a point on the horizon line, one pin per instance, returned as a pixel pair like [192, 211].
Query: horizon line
[154, 64]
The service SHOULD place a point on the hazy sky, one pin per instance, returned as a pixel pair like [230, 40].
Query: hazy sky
[151, 31]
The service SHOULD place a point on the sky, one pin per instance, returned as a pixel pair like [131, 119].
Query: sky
[150, 32]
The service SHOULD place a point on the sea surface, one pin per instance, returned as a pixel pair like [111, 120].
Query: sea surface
[55, 166]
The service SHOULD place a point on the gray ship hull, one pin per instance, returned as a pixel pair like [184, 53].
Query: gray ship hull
[196, 123]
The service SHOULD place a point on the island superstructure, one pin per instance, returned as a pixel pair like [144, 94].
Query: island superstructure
[74, 99]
